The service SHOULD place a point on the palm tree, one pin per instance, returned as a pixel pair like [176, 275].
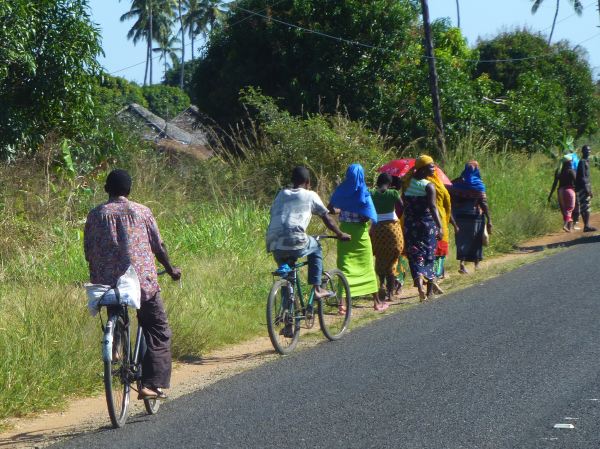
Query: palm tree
[214, 12]
[182, 27]
[168, 47]
[577, 6]
[193, 20]
[458, 13]
[151, 16]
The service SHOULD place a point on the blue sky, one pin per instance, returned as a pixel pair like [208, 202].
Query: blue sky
[479, 18]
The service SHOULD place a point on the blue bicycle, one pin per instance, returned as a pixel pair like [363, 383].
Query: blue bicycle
[287, 309]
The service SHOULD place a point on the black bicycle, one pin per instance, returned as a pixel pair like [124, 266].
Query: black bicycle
[122, 365]
[286, 308]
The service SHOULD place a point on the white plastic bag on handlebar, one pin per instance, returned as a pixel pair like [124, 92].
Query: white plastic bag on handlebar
[104, 295]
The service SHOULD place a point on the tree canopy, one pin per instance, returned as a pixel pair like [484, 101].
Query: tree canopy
[367, 59]
[47, 70]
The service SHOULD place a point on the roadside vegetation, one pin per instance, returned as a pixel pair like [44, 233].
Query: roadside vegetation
[59, 138]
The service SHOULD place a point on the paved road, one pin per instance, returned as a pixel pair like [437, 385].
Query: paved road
[494, 366]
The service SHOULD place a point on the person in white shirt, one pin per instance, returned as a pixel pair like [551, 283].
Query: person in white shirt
[291, 212]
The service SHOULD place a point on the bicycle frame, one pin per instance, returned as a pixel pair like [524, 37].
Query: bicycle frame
[134, 362]
[294, 282]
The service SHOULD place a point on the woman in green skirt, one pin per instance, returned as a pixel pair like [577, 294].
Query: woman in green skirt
[352, 200]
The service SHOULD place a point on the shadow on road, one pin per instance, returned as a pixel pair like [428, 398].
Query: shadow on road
[567, 244]
[193, 360]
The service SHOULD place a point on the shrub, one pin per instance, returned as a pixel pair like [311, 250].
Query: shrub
[165, 101]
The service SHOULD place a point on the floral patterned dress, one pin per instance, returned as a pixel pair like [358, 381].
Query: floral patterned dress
[419, 236]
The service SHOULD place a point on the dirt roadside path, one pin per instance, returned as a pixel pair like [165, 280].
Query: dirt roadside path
[89, 414]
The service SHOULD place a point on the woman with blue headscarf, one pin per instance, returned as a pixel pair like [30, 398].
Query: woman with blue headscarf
[472, 215]
[353, 201]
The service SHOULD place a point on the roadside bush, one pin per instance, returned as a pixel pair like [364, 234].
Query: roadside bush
[165, 101]
[326, 144]
[113, 93]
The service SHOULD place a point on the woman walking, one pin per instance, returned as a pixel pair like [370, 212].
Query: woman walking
[386, 235]
[444, 207]
[472, 215]
[565, 178]
[422, 225]
[352, 200]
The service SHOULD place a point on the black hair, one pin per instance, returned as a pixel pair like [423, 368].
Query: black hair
[118, 183]
[586, 148]
[300, 175]
[384, 179]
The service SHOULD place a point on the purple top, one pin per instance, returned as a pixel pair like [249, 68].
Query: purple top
[120, 233]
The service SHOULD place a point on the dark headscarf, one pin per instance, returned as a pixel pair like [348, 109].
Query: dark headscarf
[352, 194]
[470, 178]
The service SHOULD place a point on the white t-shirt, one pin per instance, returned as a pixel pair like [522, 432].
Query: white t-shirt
[291, 212]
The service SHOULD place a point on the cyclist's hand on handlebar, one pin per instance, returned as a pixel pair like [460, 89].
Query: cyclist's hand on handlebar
[175, 273]
[344, 237]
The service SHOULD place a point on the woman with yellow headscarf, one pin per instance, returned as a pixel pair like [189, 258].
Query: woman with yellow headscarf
[422, 225]
[444, 207]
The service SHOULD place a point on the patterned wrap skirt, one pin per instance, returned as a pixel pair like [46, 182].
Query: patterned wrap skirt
[388, 243]
[420, 237]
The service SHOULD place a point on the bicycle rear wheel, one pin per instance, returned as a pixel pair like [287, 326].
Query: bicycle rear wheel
[116, 371]
[281, 320]
[335, 311]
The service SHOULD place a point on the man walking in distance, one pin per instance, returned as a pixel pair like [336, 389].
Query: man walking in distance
[583, 188]
[120, 233]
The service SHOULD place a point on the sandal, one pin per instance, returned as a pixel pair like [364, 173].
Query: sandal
[147, 393]
[323, 293]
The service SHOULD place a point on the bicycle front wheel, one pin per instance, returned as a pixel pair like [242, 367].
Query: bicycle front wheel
[335, 311]
[281, 322]
[151, 405]
[116, 371]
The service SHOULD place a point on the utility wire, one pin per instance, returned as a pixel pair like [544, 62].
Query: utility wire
[189, 44]
[369, 46]
[374, 47]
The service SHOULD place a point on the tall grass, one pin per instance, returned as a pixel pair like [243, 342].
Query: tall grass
[212, 216]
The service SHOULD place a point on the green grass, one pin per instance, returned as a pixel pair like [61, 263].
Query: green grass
[213, 223]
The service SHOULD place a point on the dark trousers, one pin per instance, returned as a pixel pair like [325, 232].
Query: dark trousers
[156, 364]
[577, 211]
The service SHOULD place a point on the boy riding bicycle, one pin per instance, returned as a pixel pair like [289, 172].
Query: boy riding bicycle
[291, 212]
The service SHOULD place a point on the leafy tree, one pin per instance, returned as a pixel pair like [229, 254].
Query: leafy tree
[310, 72]
[561, 66]
[47, 71]
[577, 6]
[165, 101]
[113, 93]
[172, 75]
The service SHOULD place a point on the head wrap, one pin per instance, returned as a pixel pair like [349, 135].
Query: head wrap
[420, 162]
[567, 158]
[352, 194]
[423, 161]
[470, 178]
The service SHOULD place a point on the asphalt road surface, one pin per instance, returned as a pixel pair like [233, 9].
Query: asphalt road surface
[494, 366]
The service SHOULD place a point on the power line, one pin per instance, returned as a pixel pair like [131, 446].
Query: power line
[369, 46]
[189, 43]
[374, 47]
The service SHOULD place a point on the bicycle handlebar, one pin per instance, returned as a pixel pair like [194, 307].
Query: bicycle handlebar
[325, 236]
